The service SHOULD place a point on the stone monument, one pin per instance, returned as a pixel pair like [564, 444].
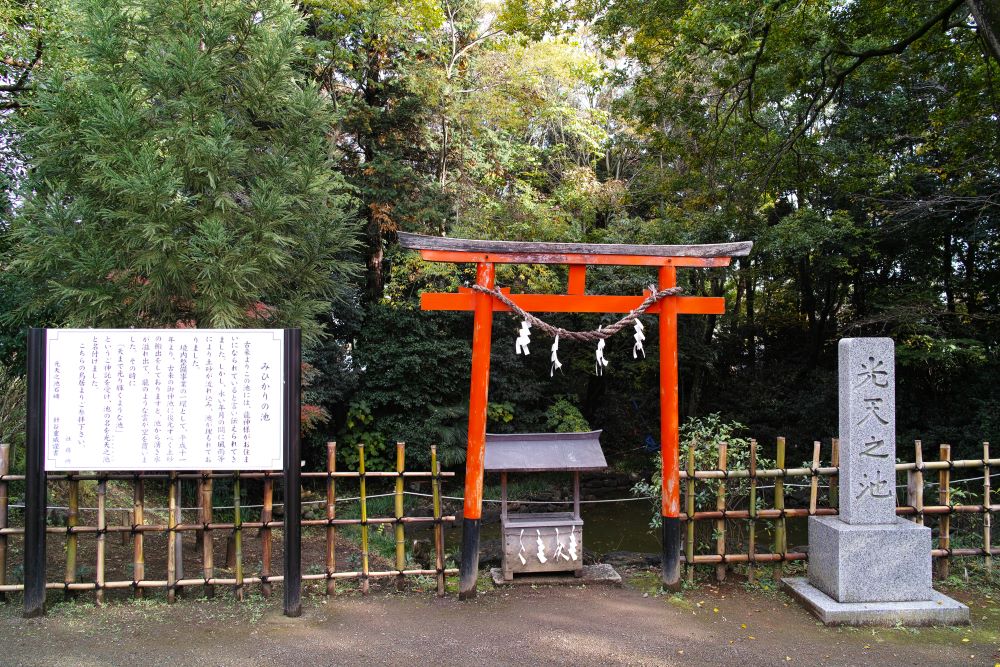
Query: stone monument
[867, 566]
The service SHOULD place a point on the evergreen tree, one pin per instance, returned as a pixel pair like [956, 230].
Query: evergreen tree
[183, 175]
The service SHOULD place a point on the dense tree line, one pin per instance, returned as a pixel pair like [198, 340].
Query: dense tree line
[232, 164]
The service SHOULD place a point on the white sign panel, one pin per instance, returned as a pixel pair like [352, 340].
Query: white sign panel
[164, 399]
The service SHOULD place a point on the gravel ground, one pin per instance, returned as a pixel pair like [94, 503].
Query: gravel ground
[524, 626]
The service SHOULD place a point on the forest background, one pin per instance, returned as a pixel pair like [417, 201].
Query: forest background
[229, 163]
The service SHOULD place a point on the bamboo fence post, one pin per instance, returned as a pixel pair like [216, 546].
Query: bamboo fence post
[207, 545]
[752, 511]
[944, 524]
[780, 547]
[4, 468]
[987, 504]
[814, 482]
[918, 480]
[331, 514]
[364, 520]
[138, 557]
[238, 535]
[835, 479]
[720, 524]
[102, 525]
[438, 528]
[266, 514]
[171, 538]
[689, 539]
[72, 539]
[400, 533]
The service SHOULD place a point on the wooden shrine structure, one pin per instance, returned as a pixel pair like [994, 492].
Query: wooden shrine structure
[577, 256]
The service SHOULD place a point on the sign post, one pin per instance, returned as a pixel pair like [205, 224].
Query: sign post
[161, 400]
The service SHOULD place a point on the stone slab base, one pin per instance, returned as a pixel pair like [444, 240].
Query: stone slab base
[938, 610]
[870, 563]
[592, 574]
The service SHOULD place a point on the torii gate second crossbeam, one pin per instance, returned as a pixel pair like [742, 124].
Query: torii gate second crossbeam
[485, 254]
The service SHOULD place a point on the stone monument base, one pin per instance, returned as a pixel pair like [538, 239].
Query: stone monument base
[870, 562]
[938, 610]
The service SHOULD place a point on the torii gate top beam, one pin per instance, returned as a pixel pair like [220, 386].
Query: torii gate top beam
[442, 249]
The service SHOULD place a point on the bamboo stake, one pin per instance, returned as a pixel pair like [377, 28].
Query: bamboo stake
[238, 535]
[752, 509]
[331, 514]
[987, 517]
[944, 523]
[918, 480]
[720, 524]
[835, 479]
[814, 482]
[102, 492]
[780, 547]
[400, 534]
[207, 544]
[4, 469]
[72, 540]
[438, 528]
[171, 540]
[364, 520]
[266, 513]
[138, 557]
[179, 542]
[689, 539]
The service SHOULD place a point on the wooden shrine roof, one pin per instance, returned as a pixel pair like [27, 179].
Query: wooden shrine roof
[540, 250]
[540, 452]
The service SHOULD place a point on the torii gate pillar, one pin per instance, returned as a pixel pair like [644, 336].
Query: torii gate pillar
[485, 254]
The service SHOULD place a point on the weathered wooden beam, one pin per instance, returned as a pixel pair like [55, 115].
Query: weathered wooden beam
[568, 253]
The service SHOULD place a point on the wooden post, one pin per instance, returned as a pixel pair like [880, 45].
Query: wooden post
[102, 525]
[293, 469]
[35, 481]
[670, 508]
[172, 538]
[207, 543]
[238, 535]
[689, 541]
[266, 515]
[780, 545]
[179, 539]
[398, 506]
[4, 469]
[331, 514]
[720, 524]
[752, 512]
[138, 518]
[482, 331]
[364, 520]
[944, 524]
[438, 528]
[987, 504]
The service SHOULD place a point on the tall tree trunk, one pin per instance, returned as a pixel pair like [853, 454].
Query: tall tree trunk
[987, 15]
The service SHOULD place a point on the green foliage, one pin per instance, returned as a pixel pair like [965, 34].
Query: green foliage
[564, 417]
[182, 175]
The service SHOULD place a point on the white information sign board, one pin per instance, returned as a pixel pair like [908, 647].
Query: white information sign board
[164, 399]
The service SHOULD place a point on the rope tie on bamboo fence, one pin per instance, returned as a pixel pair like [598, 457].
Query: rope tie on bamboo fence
[582, 336]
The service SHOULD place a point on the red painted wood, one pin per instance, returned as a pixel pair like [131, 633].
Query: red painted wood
[482, 331]
[577, 279]
[572, 303]
[669, 403]
[459, 256]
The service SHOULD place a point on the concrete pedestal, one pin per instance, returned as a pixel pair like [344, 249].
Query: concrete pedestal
[870, 563]
[939, 609]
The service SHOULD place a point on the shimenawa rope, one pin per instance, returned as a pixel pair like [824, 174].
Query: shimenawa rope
[584, 336]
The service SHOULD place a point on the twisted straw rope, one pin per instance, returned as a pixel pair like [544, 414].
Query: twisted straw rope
[583, 336]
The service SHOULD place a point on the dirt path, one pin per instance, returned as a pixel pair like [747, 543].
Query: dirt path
[522, 626]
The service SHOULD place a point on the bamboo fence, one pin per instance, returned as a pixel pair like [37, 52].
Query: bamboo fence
[736, 521]
[207, 531]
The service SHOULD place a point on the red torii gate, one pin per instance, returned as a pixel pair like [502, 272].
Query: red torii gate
[485, 254]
